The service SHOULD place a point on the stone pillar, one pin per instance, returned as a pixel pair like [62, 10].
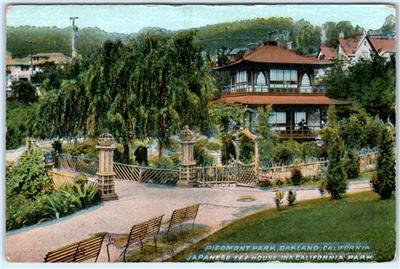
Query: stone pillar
[187, 174]
[105, 175]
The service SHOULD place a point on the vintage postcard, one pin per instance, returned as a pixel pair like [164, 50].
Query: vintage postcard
[236, 133]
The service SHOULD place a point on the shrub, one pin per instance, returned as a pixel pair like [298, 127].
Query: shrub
[296, 177]
[71, 198]
[24, 91]
[246, 149]
[19, 120]
[291, 198]
[267, 137]
[265, 183]
[310, 150]
[384, 179]
[21, 211]
[279, 182]
[162, 162]
[200, 152]
[286, 152]
[322, 188]
[81, 179]
[86, 149]
[351, 165]
[336, 177]
[279, 195]
[29, 176]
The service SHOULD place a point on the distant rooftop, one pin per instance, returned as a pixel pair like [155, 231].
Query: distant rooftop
[269, 52]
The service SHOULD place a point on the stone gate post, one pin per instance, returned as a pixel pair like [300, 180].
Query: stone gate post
[187, 173]
[105, 175]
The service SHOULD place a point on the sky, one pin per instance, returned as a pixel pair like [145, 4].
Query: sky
[132, 18]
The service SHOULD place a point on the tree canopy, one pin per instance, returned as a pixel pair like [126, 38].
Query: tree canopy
[149, 87]
[371, 83]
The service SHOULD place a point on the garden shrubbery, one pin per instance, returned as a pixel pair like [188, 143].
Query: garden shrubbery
[164, 161]
[291, 198]
[384, 179]
[31, 198]
[336, 178]
[201, 152]
[351, 165]
[296, 177]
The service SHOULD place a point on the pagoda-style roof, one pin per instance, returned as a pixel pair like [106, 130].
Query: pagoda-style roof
[274, 54]
[277, 99]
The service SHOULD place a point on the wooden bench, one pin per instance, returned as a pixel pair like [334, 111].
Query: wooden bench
[179, 216]
[79, 251]
[138, 233]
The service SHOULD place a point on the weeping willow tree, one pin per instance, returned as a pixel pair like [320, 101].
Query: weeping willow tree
[149, 87]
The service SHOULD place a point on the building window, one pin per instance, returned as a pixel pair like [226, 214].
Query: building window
[241, 76]
[24, 68]
[260, 79]
[283, 78]
[261, 83]
[277, 120]
[305, 85]
[250, 120]
[300, 119]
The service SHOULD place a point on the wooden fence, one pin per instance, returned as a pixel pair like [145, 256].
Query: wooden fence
[146, 174]
[238, 174]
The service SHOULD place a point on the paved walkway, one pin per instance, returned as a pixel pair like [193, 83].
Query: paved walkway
[138, 202]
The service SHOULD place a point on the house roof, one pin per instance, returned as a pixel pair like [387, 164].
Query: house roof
[269, 53]
[60, 58]
[384, 45]
[49, 54]
[328, 52]
[350, 44]
[19, 61]
[277, 99]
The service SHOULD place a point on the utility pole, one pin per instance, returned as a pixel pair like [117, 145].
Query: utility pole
[74, 30]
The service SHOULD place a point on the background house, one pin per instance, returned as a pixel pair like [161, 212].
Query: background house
[352, 49]
[25, 68]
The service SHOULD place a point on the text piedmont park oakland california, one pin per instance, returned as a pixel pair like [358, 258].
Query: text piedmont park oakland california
[234, 133]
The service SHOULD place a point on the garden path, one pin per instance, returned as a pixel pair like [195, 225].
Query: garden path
[138, 202]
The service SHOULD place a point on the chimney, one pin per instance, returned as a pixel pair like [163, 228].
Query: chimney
[289, 45]
[341, 34]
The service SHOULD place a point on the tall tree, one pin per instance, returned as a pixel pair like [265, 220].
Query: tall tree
[371, 83]
[384, 179]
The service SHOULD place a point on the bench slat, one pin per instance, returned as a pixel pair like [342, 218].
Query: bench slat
[77, 252]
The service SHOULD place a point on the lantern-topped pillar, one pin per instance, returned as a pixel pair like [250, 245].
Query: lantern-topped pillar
[106, 175]
[187, 173]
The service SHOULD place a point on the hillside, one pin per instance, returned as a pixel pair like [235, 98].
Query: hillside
[53, 39]
[304, 36]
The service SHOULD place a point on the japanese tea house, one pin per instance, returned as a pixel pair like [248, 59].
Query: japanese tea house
[278, 76]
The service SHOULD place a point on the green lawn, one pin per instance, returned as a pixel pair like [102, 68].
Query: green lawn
[360, 217]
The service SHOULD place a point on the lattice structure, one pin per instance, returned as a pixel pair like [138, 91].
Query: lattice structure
[146, 174]
[247, 175]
